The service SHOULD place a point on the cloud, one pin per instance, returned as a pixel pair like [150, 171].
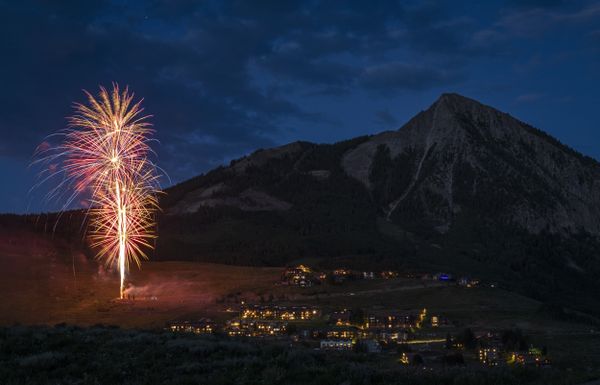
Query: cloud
[535, 3]
[385, 118]
[532, 22]
[193, 92]
[195, 65]
[224, 78]
[396, 76]
[528, 23]
[529, 98]
[595, 34]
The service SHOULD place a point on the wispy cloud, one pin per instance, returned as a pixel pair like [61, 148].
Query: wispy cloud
[529, 97]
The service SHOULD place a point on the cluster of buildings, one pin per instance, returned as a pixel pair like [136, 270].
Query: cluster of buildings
[496, 356]
[201, 326]
[255, 328]
[300, 275]
[283, 313]
[531, 357]
[340, 330]
[336, 344]
[304, 276]
[385, 329]
[492, 352]
[268, 320]
[345, 330]
[489, 355]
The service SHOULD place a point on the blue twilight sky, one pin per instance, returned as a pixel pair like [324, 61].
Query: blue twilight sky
[223, 78]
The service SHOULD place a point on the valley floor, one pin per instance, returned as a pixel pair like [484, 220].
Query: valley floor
[41, 285]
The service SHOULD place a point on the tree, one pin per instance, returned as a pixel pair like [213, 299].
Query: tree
[417, 360]
[468, 339]
[357, 316]
[448, 344]
[454, 359]
[513, 339]
[291, 329]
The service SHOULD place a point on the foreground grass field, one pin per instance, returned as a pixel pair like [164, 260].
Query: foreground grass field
[70, 355]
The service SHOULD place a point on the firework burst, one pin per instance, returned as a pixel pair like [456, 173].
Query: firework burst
[105, 154]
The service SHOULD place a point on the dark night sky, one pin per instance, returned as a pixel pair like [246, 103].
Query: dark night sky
[225, 78]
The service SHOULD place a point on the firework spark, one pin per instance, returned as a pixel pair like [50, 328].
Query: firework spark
[105, 153]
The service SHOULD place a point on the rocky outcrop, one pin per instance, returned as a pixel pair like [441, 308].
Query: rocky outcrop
[463, 154]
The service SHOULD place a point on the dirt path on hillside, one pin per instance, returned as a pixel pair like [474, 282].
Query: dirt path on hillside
[371, 292]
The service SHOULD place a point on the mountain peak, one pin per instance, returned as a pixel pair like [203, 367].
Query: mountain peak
[459, 103]
[455, 96]
[460, 151]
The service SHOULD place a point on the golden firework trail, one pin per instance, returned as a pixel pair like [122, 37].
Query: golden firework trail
[105, 154]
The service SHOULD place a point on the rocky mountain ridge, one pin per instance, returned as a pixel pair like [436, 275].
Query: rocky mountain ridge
[457, 155]
[457, 134]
